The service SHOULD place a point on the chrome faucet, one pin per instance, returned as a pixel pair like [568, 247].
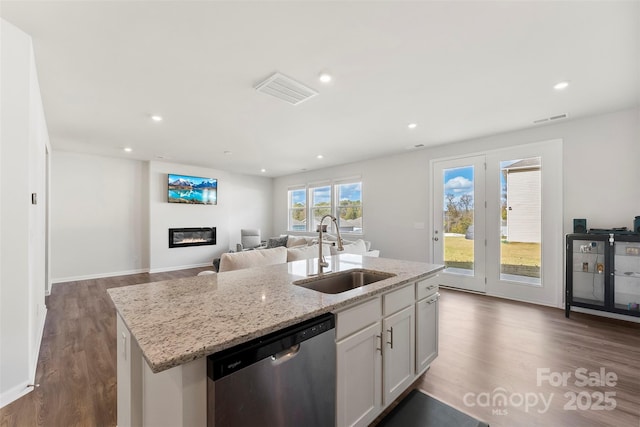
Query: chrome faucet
[321, 262]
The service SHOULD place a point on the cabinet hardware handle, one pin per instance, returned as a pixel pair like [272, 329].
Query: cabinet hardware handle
[380, 347]
[390, 330]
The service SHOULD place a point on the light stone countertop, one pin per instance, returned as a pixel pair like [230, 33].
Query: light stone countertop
[177, 321]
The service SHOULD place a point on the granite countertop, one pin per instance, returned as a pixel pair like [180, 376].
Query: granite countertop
[177, 321]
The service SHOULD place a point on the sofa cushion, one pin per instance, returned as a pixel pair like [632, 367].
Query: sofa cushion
[247, 259]
[306, 252]
[275, 242]
[293, 241]
[358, 247]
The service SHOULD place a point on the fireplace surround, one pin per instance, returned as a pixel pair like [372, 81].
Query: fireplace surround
[184, 237]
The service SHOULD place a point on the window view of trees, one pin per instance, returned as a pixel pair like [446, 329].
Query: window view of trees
[458, 216]
[347, 207]
[349, 211]
[298, 209]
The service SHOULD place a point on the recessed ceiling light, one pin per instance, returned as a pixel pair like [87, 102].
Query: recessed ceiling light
[263, 170]
[156, 118]
[128, 149]
[412, 125]
[319, 156]
[325, 77]
[561, 85]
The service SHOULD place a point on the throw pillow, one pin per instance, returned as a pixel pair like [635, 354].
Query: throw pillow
[275, 242]
[358, 247]
[296, 241]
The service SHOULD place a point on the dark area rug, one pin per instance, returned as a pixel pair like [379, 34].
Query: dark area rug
[421, 410]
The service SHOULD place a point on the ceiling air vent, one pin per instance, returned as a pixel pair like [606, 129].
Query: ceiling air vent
[286, 89]
[552, 118]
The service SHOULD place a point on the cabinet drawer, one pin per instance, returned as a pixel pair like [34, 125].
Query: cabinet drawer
[426, 287]
[358, 317]
[397, 300]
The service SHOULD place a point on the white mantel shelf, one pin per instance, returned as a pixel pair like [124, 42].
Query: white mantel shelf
[178, 321]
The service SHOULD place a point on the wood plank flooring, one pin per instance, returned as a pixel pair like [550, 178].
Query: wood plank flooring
[491, 347]
[77, 363]
[486, 345]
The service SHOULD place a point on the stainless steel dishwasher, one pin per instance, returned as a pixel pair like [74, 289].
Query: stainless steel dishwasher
[287, 378]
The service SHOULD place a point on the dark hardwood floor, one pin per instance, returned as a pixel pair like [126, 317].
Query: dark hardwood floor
[488, 348]
[491, 347]
[77, 364]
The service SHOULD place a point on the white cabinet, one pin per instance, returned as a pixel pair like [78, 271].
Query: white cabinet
[376, 353]
[398, 353]
[426, 323]
[129, 396]
[426, 332]
[399, 333]
[359, 373]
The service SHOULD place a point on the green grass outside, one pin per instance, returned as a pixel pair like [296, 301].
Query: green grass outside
[459, 253]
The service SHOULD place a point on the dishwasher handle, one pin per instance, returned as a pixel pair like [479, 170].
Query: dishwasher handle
[285, 355]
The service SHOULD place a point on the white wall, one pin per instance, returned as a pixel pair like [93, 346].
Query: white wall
[98, 223]
[243, 202]
[110, 216]
[23, 141]
[600, 168]
[251, 204]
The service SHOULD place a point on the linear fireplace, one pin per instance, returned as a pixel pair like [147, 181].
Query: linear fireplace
[183, 237]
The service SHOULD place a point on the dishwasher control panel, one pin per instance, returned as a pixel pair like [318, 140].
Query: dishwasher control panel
[233, 359]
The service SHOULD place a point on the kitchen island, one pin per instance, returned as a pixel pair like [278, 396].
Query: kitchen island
[166, 329]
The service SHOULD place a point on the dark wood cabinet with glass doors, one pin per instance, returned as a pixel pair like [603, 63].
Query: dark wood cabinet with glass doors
[603, 273]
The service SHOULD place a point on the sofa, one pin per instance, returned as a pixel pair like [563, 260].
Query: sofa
[288, 248]
[357, 246]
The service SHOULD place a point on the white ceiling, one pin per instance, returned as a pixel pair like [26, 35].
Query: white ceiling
[458, 69]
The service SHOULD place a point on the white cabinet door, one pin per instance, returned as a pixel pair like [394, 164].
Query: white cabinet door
[129, 387]
[399, 352]
[426, 332]
[359, 366]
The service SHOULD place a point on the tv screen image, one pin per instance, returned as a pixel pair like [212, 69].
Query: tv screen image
[193, 190]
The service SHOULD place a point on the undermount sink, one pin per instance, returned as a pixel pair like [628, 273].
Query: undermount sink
[336, 283]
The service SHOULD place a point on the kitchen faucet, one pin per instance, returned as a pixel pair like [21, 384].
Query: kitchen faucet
[321, 262]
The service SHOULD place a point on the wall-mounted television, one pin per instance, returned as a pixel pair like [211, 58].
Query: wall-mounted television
[192, 190]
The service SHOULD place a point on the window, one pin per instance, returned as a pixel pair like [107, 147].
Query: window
[298, 209]
[320, 204]
[349, 207]
[342, 199]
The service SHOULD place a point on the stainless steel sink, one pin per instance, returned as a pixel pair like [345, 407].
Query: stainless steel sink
[336, 283]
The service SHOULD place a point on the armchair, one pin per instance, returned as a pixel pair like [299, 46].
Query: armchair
[249, 239]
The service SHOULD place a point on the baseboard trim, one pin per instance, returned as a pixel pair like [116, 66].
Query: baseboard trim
[15, 393]
[98, 276]
[26, 387]
[180, 267]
